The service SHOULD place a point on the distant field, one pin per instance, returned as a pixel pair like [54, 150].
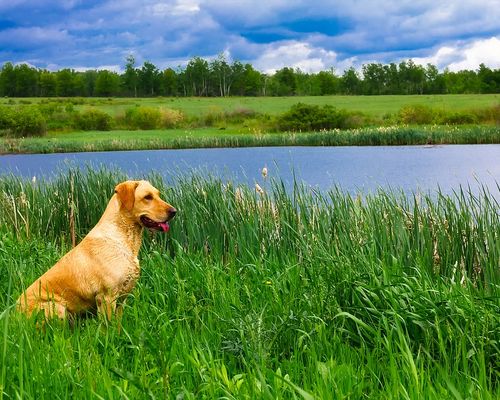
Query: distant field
[230, 122]
[375, 106]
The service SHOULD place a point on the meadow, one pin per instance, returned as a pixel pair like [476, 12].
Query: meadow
[376, 106]
[91, 124]
[294, 294]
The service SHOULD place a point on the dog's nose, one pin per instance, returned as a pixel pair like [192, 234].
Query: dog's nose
[171, 212]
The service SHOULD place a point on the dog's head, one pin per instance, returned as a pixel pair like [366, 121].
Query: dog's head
[142, 202]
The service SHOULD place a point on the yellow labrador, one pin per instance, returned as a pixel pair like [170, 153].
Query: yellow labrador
[103, 268]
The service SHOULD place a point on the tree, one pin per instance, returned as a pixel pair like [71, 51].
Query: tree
[169, 82]
[434, 82]
[247, 83]
[350, 82]
[412, 77]
[284, 82]
[8, 80]
[130, 77]
[48, 84]
[107, 83]
[222, 73]
[374, 77]
[26, 80]
[65, 83]
[197, 75]
[489, 79]
[328, 82]
[149, 79]
[89, 81]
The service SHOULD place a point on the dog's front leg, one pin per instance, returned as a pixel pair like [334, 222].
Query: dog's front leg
[106, 305]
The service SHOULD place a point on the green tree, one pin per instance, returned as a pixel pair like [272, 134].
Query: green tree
[222, 75]
[130, 77]
[434, 82]
[197, 77]
[26, 80]
[48, 84]
[149, 79]
[8, 80]
[489, 79]
[65, 83]
[247, 83]
[284, 82]
[107, 83]
[412, 77]
[374, 78]
[350, 82]
[89, 78]
[328, 82]
[169, 82]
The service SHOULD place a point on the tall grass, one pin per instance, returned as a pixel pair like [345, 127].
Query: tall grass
[210, 138]
[277, 295]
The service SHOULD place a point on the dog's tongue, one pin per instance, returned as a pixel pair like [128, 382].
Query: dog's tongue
[164, 226]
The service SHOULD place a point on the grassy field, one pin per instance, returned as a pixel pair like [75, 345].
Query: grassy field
[376, 106]
[249, 121]
[281, 295]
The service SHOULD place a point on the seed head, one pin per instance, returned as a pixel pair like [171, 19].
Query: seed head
[264, 172]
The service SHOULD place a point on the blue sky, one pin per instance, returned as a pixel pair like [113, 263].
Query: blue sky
[310, 35]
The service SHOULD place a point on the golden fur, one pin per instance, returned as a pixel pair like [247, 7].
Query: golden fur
[103, 267]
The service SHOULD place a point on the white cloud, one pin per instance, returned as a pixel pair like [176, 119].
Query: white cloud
[296, 33]
[296, 55]
[466, 55]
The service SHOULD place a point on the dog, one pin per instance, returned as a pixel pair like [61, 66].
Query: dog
[103, 268]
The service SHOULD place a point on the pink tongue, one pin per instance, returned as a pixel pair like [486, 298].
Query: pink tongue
[164, 226]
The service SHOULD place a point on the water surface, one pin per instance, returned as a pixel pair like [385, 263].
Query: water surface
[365, 169]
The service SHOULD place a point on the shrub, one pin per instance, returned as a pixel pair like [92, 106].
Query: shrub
[304, 117]
[6, 119]
[92, 119]
[171, 118]
[240, 115]
[488, 114]
[143, 118]
[459, 117]
[28, 121]
[213, 116]
[416, 114]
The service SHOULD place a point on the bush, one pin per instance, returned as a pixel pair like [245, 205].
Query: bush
[28, 121]
[143, 118]
[171, 118]
[458, 118]
[488, 114]
[304, 117]
[93, 119]
[6, 119]
[416, 114]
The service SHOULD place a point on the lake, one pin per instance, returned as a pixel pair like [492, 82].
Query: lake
[354, 169]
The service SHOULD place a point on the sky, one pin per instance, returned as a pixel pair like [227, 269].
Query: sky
[270, 34]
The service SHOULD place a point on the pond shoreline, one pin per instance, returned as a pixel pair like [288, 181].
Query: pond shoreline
[213, 138]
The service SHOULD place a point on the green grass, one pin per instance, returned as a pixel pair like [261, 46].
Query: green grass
[376, 106]
[213, 137]
[286, 295]
[229, 122]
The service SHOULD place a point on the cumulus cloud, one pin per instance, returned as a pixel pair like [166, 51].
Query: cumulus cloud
[298, 33]
[296, 55]
[465, 55]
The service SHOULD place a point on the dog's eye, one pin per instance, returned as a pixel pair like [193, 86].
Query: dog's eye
[148, 197]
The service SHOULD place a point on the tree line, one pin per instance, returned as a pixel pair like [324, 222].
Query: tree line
[219, 77]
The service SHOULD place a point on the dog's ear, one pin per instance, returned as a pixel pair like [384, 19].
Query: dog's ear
[126, 194]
